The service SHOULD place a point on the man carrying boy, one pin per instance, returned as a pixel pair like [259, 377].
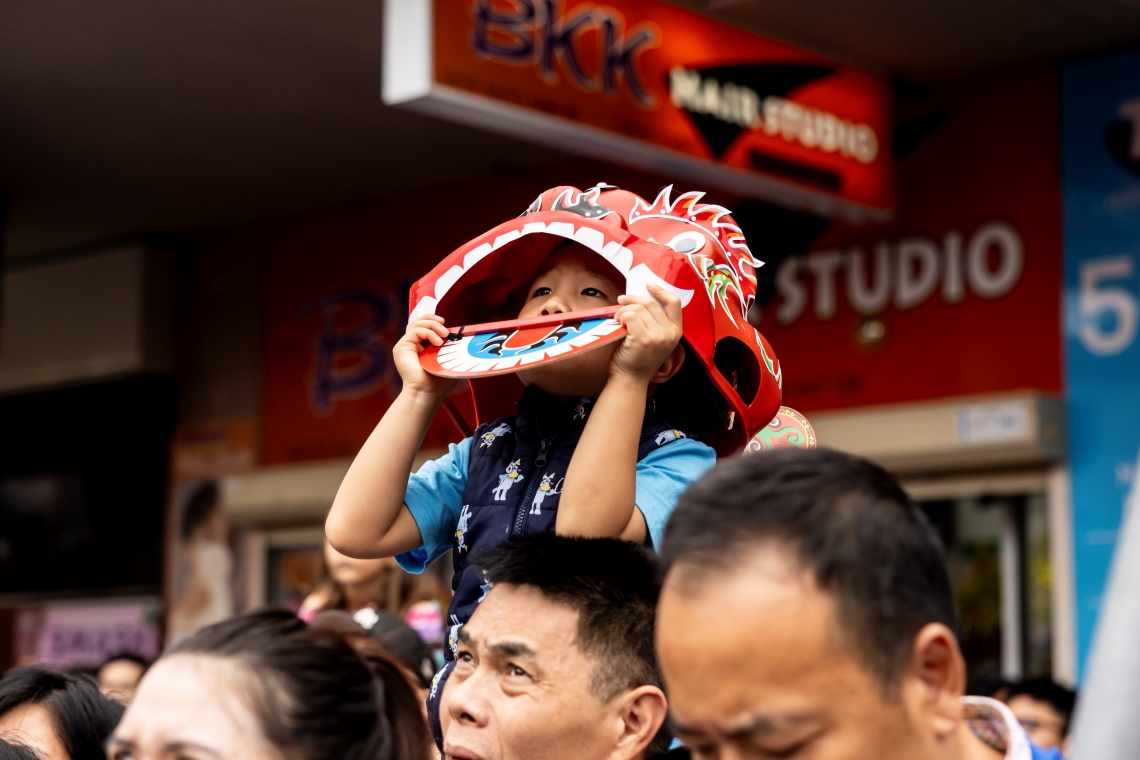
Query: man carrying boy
[590, 452]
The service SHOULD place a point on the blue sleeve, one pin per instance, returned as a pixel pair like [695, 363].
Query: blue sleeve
[434, 497]
[663, 475]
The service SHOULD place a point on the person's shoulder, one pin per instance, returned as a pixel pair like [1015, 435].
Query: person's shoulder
[674, 442]
[677, 459]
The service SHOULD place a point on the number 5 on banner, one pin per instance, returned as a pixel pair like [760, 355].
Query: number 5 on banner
[1093, 300]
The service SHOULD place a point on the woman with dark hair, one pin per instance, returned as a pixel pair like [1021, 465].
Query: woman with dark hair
[265, 686]
[60, 716]
[13, 751]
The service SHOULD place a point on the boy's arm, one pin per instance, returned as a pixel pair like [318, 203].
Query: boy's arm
[368, 517]
[598, 494]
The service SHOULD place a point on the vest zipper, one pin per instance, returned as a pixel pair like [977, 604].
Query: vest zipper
[524, 506]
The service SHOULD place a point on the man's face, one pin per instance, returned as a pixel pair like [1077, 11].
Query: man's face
[755, 666]
[521, 685]
[1045, 726]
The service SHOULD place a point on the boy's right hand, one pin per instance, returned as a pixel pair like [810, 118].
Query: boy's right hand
[406, 355]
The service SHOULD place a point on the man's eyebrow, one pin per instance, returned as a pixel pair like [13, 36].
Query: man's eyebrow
[176, 747]
[762, 724]
[463, 637]
[169, 747]
[510, 648]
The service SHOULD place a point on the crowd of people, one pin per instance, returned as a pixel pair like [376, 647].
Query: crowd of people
[798, 605]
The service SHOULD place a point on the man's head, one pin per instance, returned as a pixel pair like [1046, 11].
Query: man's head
[1043, 708]
[807, 610]
[558, 660]
[574, 278]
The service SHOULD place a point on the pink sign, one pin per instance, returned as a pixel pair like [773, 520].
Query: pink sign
[89, 632]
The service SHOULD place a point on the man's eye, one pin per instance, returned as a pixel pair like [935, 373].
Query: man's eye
[541, 292]
[594, 292]
[462, 656]
[517, 671]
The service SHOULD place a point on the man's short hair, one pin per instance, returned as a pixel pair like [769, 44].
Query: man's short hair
[847, 521]
[1046, 690]
[613, 586]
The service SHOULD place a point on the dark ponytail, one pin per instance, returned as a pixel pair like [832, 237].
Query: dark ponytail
[314, 696]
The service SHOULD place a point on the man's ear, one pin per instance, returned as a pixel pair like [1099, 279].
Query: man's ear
[934, 681]
[671, 366]
[641, 711]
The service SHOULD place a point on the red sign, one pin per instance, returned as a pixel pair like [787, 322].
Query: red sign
[961, 294]
[334, 306]
[334, 300]
[653, 86]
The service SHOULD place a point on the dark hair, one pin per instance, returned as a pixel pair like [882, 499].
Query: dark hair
[1046, 690]
[199, 507]
[315, 697]
[849, 522]
[137, 659]
[82, 716]
[611, 584]
[16, 751]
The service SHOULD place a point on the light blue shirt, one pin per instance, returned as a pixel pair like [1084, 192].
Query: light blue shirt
[435, 493]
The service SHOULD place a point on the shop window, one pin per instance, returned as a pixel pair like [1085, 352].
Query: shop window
[997, 553]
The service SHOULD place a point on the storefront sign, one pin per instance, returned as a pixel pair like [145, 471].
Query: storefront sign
[1101, 169]
[335, 300]
[959, 295]
[86, 633]
[993, 423]
[213, 449]
[653, 86]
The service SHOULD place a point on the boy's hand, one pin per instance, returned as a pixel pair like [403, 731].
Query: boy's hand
[406, 355]
[654, 330]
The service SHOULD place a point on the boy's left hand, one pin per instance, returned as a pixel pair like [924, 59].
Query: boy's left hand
[654, 329]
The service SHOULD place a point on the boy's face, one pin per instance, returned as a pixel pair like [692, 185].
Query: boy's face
[572, 279]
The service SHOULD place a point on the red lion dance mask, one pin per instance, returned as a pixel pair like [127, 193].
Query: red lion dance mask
[694, 250]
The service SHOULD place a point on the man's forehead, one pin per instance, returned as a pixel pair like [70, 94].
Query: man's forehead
[777, 656]
[523, 615]
[769, 612]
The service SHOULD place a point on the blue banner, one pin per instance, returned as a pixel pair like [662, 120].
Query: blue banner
[1100, 124]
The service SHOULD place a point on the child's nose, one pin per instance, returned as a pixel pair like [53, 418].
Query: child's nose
[553, 306]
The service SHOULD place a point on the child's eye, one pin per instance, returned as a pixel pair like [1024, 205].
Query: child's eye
[594, 292]
[541, 292]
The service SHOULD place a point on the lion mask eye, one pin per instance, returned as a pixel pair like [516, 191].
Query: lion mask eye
[687, 242]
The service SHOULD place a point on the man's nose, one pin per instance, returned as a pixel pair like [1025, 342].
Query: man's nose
[464, 700]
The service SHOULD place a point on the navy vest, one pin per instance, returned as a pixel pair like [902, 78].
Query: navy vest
[514, 480]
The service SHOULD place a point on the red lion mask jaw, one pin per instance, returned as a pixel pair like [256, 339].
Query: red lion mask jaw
[694, 250]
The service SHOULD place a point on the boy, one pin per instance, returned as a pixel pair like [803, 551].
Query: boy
[587, 454]
[597, 490]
